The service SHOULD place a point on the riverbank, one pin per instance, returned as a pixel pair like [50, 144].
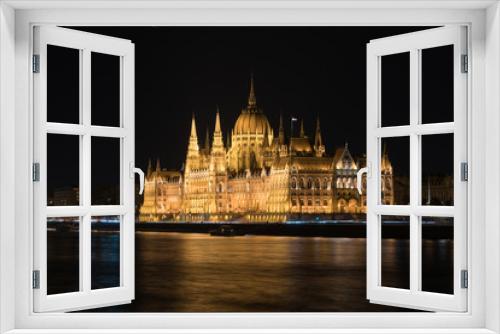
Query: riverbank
[346, 229]
[330, 229]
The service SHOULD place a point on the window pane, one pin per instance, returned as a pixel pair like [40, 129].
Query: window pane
[395, 171]
[63, 170]
[63, 249]
[105, 83]
[437, 254]
[63, 84]
[395, 269]
[395, 89]
[437, 84]
[105, 267]
[437, 169]
[105, 171]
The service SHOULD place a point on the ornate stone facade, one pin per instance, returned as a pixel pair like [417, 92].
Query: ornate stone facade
[257, 176]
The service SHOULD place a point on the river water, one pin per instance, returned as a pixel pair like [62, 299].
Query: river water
[196, 272]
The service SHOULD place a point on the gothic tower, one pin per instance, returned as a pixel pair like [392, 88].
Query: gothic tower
[193, 152]
[319, 148]
[218, 153]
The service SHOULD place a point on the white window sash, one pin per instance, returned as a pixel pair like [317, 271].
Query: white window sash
[415, 297]
[85, 297]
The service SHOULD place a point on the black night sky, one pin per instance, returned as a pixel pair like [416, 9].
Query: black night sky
[303, 72]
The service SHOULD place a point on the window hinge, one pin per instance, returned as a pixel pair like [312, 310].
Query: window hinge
[36, 63]
[36, 279]
[464, 171]
[465, 64]
[36, 172]
[464, 279]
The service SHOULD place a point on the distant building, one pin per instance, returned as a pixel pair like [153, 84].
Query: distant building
[257, 176]
[437, 190]
[64, 196]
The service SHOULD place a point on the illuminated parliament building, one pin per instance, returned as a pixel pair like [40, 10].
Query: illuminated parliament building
[258, 176]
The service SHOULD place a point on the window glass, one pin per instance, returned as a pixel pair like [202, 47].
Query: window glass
[105, 83]
[395, 270]
[63, 170]
[437, 169]
[105, 168]
[105, 240]
[63, 255]
[63, 84]
[395, 89]
[437, 84]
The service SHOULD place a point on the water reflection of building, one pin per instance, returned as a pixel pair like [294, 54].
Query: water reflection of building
[437, 190]
[257, 176]
[64, 196]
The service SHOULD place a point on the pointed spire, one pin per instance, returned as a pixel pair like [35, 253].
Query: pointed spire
[318, 141]
[193, 128]
[150, 168]
[281, 135]
[228, 140]
[252, 101]
[193, 148]
[218, 140]
[302, 134]
[158, 168]
[217, 121]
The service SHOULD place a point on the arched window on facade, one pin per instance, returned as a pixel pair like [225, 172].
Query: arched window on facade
[353, 204]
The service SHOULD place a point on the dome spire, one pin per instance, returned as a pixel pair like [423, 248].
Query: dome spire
[252, 100]
[302, 134]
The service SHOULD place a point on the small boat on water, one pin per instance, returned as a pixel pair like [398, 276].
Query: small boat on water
[226, 231]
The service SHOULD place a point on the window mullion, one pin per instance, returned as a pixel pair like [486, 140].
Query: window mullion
[415, 244]
[85, 167]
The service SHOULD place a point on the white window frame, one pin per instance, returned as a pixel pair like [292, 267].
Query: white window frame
[413, 43]
[85, 43]
[16, 20]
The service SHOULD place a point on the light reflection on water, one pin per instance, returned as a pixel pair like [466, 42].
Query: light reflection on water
[196, 272]
[188, 272]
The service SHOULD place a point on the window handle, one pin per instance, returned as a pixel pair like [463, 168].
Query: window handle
[359, 176]
[134, 170]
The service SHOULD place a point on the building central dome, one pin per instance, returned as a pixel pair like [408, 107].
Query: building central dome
[252, 123]
[252, 120]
